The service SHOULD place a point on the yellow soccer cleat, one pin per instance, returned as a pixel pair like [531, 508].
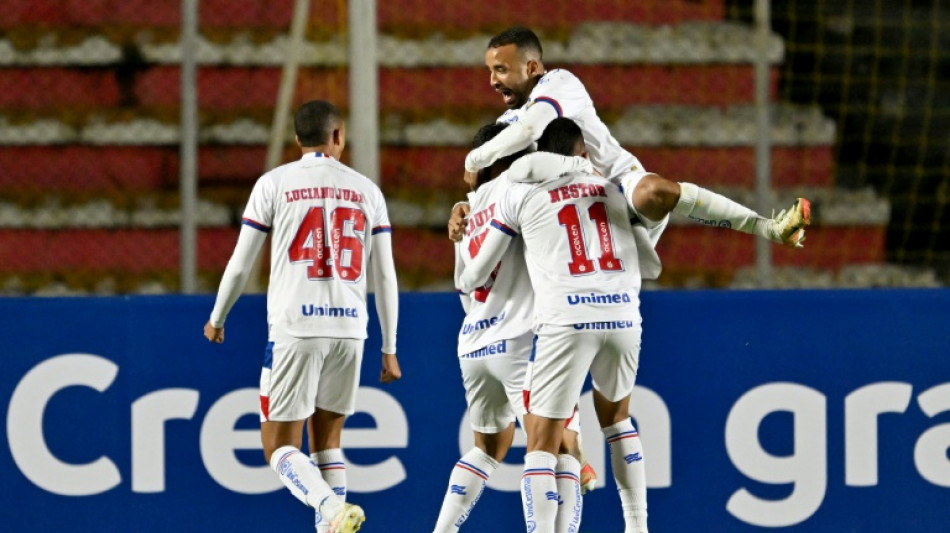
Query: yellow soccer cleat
[349, 520]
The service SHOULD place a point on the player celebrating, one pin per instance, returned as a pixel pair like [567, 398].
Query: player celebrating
[535, 97]
[330, 225]
[494, 348]
[582, 261]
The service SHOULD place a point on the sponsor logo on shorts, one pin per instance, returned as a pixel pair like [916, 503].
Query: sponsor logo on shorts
[605, 299]
[327, 310]
[619, 324]
[491, 349]
[485, 323]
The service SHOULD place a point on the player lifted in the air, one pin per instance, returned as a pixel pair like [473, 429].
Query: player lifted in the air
[535, 96]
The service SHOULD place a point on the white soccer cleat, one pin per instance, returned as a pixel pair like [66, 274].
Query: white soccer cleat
[788, 227]
[588, 478]
[349, 520]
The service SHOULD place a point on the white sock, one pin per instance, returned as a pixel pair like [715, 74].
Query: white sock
[466, 484]
[302, 477]
[333, 469]
[539, 492]
[570, 503]
[626, 461]
[711, 209]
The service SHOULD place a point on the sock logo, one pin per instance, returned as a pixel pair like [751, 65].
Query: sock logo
[339, 491]
[551, 495]
[633, 457]
[458, 489]
[287, 471]
[317, 518]
[532, 525]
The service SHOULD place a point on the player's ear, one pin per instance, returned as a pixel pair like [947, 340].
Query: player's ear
[339, 137]
[534, 68]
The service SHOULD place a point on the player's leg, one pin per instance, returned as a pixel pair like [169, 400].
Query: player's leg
[539, 494]
[552, 389]
[281, 442]
[492, 420]
[334, 399]
[324, 429]
[570, 501]
[613, 373]
[287, 388]
[571, 443]
[654, 197]
[468, 478]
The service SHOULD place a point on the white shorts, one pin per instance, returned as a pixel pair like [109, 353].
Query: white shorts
[565, 354]
[493, 384]
[302, 374]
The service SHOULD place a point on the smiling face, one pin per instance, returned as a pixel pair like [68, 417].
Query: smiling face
[514, 73]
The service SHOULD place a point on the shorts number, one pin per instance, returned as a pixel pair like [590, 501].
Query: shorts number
[338, 252]
[580, 264]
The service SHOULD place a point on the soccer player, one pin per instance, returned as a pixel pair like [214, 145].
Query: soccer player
[494, 348]
[583, 265]
[330, 228]
[534, 97]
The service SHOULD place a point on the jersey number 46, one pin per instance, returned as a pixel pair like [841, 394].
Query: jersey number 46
[338, 251]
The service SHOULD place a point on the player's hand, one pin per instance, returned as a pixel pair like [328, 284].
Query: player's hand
[391, 371]
[213, 334]
[471, 179]
[457, 221]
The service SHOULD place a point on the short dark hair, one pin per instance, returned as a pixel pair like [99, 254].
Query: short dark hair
[561, 137]
[485, 134]
[315, 121]
[521, 37]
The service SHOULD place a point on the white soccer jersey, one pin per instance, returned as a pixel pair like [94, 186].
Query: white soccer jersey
[579, 250]
[321, 215]
[502, 309]
[565, 92]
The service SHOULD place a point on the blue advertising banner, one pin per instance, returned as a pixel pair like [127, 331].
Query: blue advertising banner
[759, 411]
